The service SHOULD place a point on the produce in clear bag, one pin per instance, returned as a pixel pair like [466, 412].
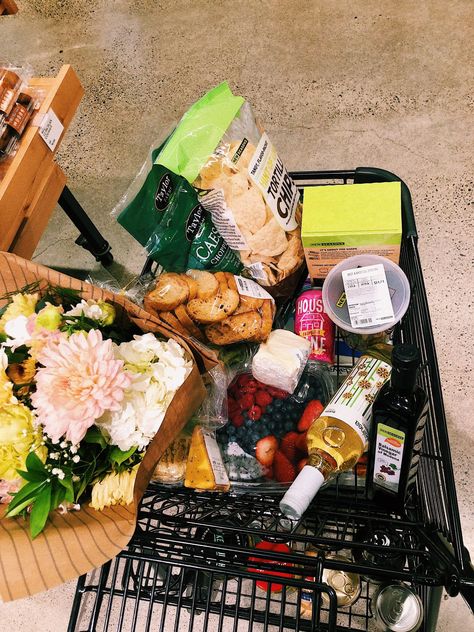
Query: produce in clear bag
[220, 307]
[254, 203]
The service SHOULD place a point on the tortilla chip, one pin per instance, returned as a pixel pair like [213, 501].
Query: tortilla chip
[248, 210]
[270, 240]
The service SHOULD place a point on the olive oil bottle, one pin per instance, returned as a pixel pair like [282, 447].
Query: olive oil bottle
[398, 423]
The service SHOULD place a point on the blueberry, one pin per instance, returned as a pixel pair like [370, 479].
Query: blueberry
[271, 407]
[278, 417]
[265, 419]
[277, 403]
[288, 425]
[272, 425]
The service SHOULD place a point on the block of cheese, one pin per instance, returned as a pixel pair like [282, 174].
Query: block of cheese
[205, 468]
[281, 359]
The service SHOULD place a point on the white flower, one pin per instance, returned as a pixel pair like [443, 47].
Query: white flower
[17, 331]
[76, 458]
[157, 368]
[90, 308]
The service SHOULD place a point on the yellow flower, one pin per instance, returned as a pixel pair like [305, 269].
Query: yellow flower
[22, 373]
[21, 305]
[109, 313]
[49, 317]
[6, 387]
[114, 489]
[17, 438]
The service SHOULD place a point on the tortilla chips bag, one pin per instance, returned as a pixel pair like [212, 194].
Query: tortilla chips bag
[242, 182]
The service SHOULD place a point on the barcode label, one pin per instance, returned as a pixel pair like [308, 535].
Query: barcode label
[247, 287]
[368, 296]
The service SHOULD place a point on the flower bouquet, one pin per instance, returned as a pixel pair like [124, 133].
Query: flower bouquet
[92, 391]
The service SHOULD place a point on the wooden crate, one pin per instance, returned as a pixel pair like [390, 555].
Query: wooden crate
[32, 181]
[8, 7]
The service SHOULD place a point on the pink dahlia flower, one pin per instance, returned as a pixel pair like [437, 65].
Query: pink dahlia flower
[80, 379]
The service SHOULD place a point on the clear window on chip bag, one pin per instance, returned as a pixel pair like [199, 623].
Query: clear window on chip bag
[219, 148]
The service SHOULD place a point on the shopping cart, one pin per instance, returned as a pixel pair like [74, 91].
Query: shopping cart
[189, 566]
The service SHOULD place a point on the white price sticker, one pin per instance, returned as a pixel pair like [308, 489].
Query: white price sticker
[51, 129]
[368, 296]
[247, 287]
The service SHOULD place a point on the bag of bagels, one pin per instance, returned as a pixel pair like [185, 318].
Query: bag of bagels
[220, 149]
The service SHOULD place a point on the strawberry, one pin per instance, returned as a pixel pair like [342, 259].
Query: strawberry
[301, 443]
[277, 392]
[244, 379]
[288, 445]
[283, 470]
[263, 398]
[255, 412]
[237, 419]
[312, 411]
[265, 450]
[246, 401]
[269, 473]
[301, 464]
[266, 563]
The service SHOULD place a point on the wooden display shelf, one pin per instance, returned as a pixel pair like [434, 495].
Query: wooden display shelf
[8, 7]
[32, 182]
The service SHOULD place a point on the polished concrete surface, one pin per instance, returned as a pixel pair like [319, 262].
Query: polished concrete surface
[337, 85]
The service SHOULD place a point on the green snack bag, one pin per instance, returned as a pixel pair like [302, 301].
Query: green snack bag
[145, 211]
[186, 236]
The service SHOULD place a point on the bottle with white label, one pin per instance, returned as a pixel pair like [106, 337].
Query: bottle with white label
[398, 423]
[338, 438]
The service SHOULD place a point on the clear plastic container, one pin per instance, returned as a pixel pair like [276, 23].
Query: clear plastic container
[262, 419]
[336, 308]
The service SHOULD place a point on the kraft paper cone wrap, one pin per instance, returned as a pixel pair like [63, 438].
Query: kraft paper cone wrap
[74, 543]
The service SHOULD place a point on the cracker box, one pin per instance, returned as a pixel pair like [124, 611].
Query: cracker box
[341, 221]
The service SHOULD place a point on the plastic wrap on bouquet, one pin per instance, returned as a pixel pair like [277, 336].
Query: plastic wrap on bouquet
[76, 542]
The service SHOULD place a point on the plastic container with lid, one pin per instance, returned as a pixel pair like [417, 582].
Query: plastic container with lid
[335, 303]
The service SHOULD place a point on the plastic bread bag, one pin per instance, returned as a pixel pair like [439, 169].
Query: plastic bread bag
[218, 308]
[220, 149]
[167, 218]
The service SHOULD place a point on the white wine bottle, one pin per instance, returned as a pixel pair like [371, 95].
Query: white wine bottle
[338, 438]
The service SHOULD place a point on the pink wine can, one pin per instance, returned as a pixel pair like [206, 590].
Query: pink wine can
[312, 322]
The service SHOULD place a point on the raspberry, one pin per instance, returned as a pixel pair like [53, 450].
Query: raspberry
[263, 398]
[255, 413]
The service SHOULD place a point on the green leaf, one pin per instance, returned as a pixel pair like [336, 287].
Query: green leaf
[94, 435]
[69, 487]
[24, 497]
[33, 476]
[118, 456]
[39, 513]
[34, 463]
[58, 494]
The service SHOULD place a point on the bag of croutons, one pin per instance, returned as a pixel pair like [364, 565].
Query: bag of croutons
[220, 307]
[242, 182]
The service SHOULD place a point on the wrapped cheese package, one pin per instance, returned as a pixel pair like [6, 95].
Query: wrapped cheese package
[280, 360]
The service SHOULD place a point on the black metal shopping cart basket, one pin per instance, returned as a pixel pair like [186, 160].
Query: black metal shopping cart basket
[189, 566]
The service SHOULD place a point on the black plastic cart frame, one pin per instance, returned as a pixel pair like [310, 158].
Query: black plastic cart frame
[169, 579]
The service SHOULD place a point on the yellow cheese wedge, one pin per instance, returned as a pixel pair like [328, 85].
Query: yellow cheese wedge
[205, 468]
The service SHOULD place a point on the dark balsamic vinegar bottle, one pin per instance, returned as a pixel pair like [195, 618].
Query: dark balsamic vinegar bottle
[398, 422]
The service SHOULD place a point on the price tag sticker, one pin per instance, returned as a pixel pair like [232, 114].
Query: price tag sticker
[368, 296]
[51, 129]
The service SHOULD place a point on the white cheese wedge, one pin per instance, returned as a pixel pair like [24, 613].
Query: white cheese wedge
[280, 360]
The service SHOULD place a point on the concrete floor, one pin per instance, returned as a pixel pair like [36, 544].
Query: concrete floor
[337, 85]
